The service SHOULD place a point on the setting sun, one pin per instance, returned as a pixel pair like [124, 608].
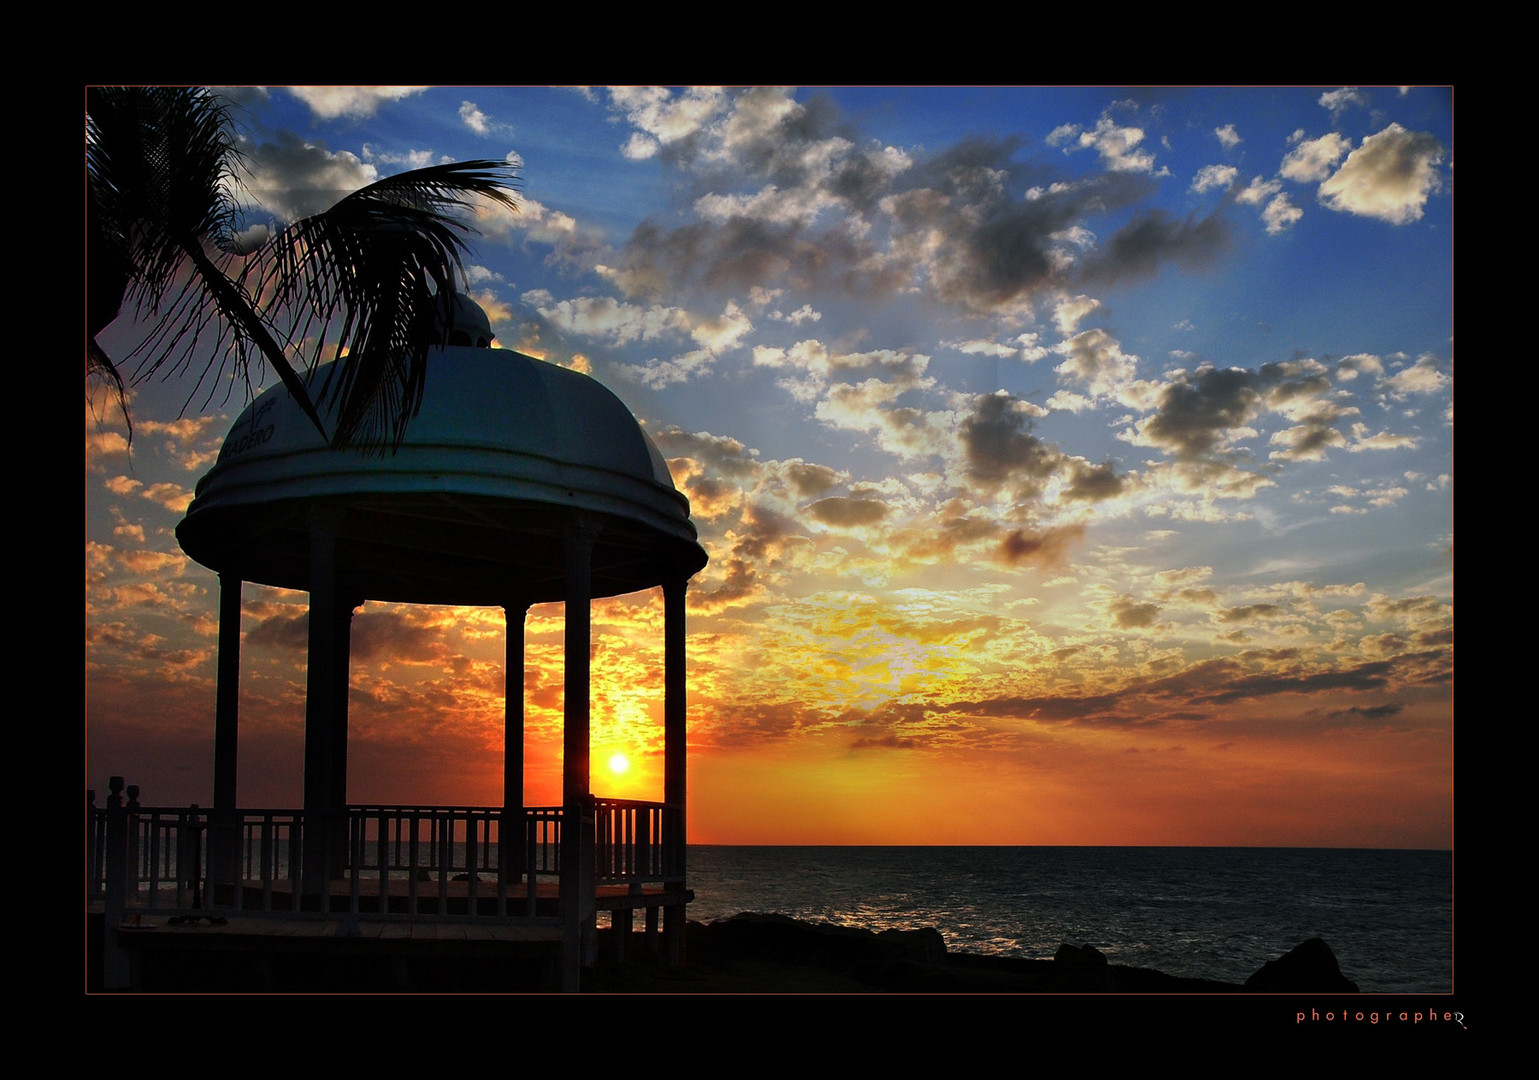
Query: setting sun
[618, 763]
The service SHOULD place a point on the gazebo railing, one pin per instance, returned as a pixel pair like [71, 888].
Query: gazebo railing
[389, 861]
[633, 842]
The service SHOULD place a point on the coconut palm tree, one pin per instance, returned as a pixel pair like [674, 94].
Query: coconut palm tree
[368, 280]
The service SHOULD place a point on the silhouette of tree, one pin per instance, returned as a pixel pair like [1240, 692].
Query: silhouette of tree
[364, 280]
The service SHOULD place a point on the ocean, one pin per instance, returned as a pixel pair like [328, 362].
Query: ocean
[1213, 913]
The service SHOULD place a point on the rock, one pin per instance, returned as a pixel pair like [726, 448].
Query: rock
[1087, 955]
[1307, 968]
[1080, 968]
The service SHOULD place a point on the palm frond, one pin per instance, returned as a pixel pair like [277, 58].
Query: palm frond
[379, 262]
[160, 171]
[162, 212]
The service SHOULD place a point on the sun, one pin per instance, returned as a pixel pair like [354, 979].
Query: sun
[618, 763]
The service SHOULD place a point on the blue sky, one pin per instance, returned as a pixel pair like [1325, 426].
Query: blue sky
[1075, 463]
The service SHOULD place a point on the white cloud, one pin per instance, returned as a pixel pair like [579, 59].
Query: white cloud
[1389, 177]
[1313, 160]
[1422, 377]
[1280, 214]
[1228, 136]
[1361, 440]
[1117, 146]
[1258, 191]
[1339, 100]
[662, 118]
[615, 321]
[1070, 313]
[1214, 176]
[330, 102]
[478, 121]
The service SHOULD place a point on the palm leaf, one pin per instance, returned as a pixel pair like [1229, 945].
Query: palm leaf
[362, 280]
[374, 270]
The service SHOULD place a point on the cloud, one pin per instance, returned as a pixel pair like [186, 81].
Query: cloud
[1214, 176]
[1116, 144]
[1313, 160]
[1280, 215]
[1198, 413]
[291, 178]
[1069, 313]
[1094, 483]
[1154, 238]
[1338, 101]
[792, 197]
[1228, 136]
[1258, 191]
[1306, 442]
[1128, 614]
[615, 321]
[1045, 547]
[842, 512]
[1095, 360]
[330, 102]
[662, 119]
[1422, 377]
[479, 122]
[1362, 440]
[1389, 177]
[1000, 449]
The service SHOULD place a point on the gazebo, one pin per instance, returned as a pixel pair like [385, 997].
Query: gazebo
[518, 482]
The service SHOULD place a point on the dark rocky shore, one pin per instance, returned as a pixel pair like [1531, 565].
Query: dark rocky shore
[746, 954]
[752, 953]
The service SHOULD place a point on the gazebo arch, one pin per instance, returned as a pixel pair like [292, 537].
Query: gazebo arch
[518, 482]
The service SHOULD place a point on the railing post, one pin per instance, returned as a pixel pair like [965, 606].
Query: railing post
[189, 861]
[93, 847]
[132, 810]
[115, 970]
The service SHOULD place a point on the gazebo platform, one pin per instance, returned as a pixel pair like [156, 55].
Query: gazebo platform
[392, 898]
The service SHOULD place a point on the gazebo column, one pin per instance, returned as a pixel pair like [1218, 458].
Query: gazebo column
[510, 832]
[224, 836]
[578, 914]
[675, 684]
[326, 680]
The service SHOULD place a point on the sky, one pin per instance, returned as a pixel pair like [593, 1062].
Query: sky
[1075, 465]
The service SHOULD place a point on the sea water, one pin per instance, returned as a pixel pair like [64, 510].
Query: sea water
[1212, 913]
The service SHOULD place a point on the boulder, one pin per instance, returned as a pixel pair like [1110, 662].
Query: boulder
[1309, 968]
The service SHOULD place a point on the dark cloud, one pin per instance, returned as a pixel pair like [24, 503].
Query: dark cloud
[1092, 483]
[843, 512]
[281, 631]
[1067, 708]
[1195, 411]
[389, 633]
[1224, 681]
[810, 480]
[721, 454]
[1249, 613]
[885, 742]
[1049, 547]
[1130, 614]
[734, 578]
[1153, 239]
[1000, 221]
[1369, 712]
[1001, 448]
[291, 177]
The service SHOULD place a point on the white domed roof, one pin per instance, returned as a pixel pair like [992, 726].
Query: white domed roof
[470, 508]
